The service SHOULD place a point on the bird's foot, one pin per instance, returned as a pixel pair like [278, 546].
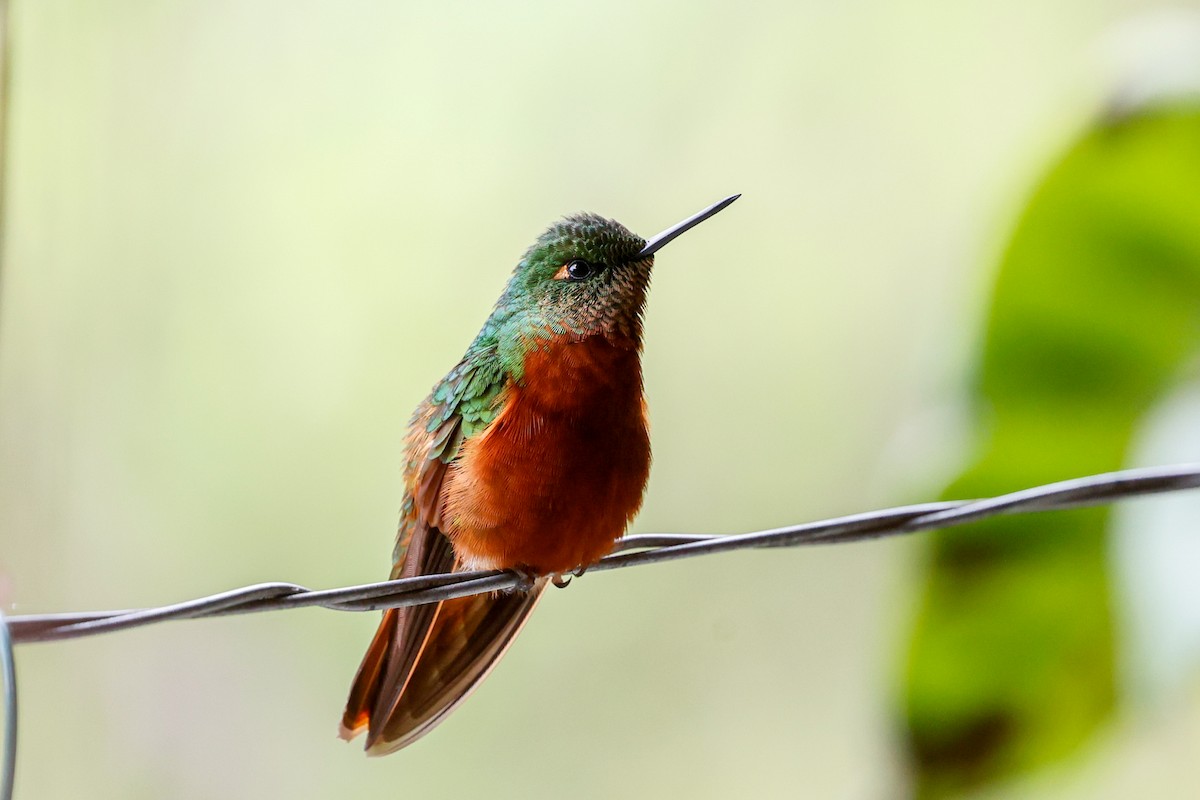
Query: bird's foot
[526, 579]
[563, 579]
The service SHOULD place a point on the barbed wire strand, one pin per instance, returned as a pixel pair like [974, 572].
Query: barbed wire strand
[630, 551]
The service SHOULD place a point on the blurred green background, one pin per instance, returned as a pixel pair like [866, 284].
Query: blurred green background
[245, 238]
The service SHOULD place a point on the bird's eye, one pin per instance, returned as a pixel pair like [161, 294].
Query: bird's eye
[579, 270]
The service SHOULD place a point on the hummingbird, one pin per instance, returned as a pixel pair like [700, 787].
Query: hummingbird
[531, 455]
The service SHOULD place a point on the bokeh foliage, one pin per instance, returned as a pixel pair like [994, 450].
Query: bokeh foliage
[1095, 313]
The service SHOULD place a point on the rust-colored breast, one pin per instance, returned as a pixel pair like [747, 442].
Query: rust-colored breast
[559, 474]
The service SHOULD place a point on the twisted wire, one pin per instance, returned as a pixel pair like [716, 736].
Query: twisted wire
[630, 551]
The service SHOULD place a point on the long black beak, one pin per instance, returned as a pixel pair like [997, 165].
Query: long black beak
[656, 243]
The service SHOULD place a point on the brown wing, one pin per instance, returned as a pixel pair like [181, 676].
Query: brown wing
[465, 639]
[425, 660]
[392, 652]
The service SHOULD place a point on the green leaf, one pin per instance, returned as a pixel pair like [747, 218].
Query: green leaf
[1096, 309]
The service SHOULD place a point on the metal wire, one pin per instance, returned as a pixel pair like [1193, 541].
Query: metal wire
[8, 666]
[630, 551]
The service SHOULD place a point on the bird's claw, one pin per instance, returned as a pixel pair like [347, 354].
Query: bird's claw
[563, 579]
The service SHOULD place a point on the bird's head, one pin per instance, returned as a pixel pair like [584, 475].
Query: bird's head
[588, 276]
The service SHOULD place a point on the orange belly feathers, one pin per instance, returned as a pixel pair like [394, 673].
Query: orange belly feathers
[558, 475]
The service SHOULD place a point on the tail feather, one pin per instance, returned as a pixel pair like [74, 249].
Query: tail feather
[363, 691]
[411, 679]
